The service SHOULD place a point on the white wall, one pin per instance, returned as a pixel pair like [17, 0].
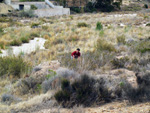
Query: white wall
[8, 2]
[16, 6]
[52, 12]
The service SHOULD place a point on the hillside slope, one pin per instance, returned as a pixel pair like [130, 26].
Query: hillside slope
[4, 8]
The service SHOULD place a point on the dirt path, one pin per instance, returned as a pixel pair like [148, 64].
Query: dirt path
[115, 107]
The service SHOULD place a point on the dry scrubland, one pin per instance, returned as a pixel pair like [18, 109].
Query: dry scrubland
[115, 54]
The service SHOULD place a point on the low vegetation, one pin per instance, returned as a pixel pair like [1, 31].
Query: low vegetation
[17, 37]
[28, 14]
[102, 44]
[121, 39]
[88, 91]
[113, 48]
[4, 19]
[99, 26]
[13, 66]
[82, 24]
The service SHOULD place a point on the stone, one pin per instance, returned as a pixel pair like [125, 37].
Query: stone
[37, 68]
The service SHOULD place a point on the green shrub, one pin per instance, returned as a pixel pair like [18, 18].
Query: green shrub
[52, 74]
[82, 24]
[90, 7]
[45, 27]
[33, 35]
[148, 24]
[99, 26]
[105, 5]
[1, 29]
[121, 39]
[83, 88]
[34, 25]
[146, 6]
[75, 9]
[143, 46]
[4, 19]
[65, 84]
[117, 5]
[33, 7]
[104, 45]
[2, 45]
[61, 96]
[24, 40]
[16, 42]
[54, 82]
[13, 66]
[71, 17]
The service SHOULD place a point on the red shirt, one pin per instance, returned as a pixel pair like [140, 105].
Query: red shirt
[76, 54]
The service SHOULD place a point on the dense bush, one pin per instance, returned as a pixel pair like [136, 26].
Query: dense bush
[88, 91]
[99, 26]
[146, 6]
[13, 66]
[83, 92]
[8, 99]
[105, 5]
[142, 92]
[16, 42]
[148, 24]
[65, 94]
[82, 24]
[54, 81]
[65, 84]
[24, 40]
[29, 85]
[75, 9]
[90, 7]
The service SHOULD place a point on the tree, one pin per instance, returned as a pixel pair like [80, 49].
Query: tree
[1, 0]
[62, 2]
[105, 5]
[108, 5]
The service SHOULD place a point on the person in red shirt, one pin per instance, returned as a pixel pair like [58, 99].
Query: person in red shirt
[76, 54]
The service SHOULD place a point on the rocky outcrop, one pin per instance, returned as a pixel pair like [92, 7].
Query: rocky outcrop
[44, 68]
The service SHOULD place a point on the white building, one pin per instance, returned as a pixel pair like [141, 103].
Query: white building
[44, 9]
